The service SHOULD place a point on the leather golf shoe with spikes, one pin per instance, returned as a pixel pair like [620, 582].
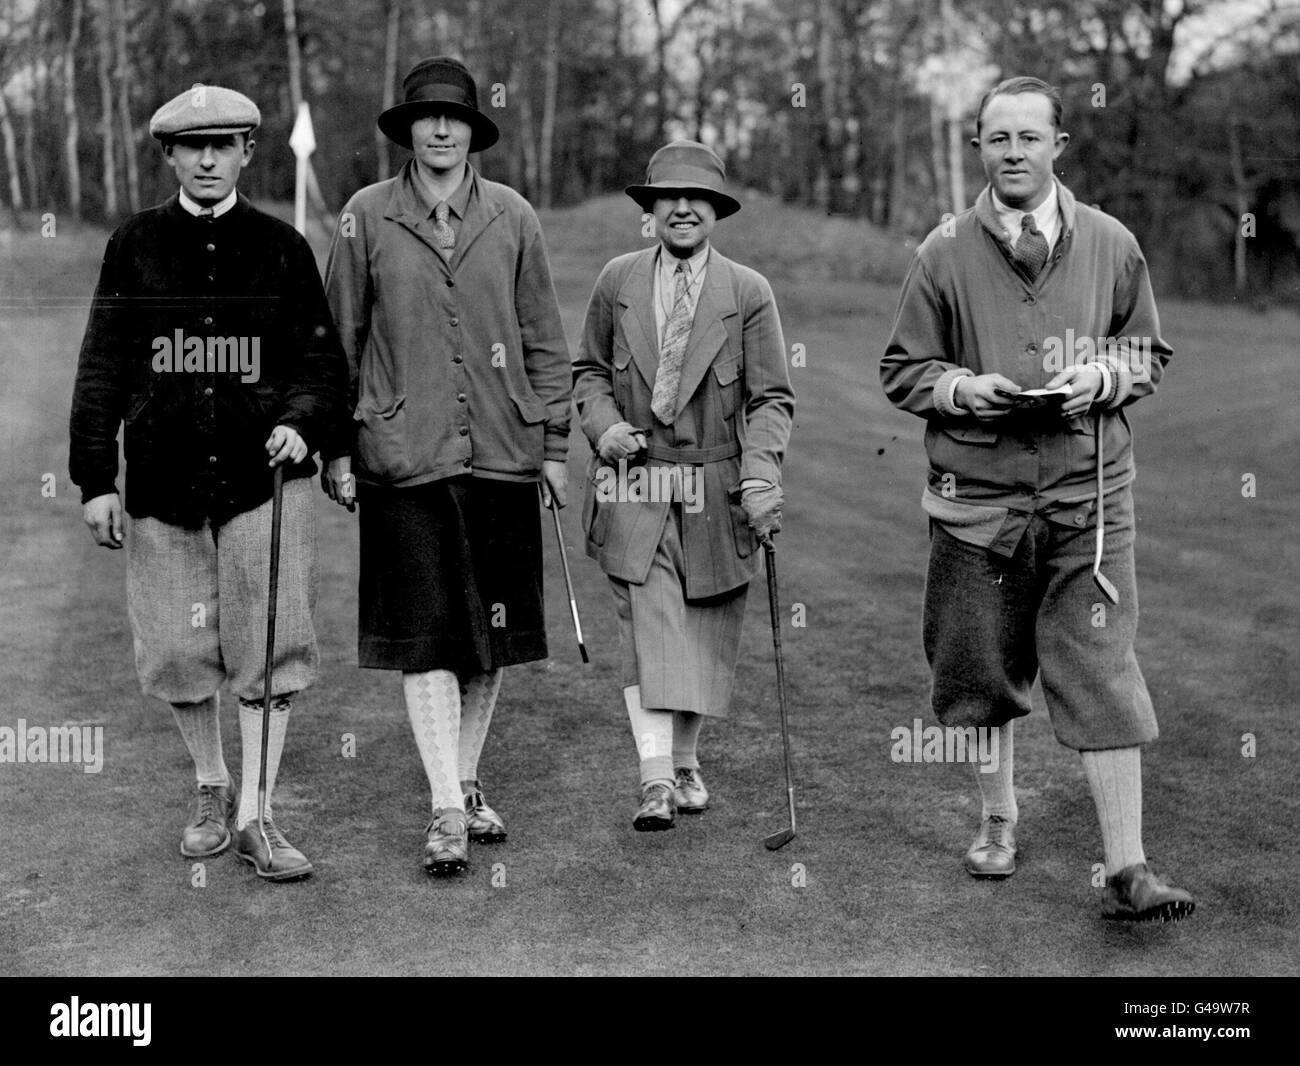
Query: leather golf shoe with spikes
[657, 808]
[446, 849]
[209, 833]
[690, 795]
[284, 862]
[485, 825]
[1138, 894]
[993, 852]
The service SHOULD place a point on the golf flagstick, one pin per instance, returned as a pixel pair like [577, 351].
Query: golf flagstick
[568, 578]
[782, 838]
[277, 497]
[1102, 581]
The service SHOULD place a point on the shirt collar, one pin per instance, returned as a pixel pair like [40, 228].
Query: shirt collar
[1043, 214]
[218, 209]
[694, 265]
[457, 202]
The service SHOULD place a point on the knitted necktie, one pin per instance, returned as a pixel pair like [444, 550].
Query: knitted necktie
[207, 214]
[1031, 249]
[677, 331]
[442, 228]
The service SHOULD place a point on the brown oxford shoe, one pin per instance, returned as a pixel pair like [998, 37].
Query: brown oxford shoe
[284, 862]
[657, 808]
[209, 834]
[993, 852]
[690, 796]
[1138, 894]
[446, 851]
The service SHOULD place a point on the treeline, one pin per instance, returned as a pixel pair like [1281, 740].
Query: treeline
[1184, 124]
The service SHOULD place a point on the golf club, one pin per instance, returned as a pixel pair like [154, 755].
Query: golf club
[1102, 581]
[277, 497]
[568, 579]
[782, 838]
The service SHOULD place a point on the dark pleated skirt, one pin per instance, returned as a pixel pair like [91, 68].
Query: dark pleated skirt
[451, 576]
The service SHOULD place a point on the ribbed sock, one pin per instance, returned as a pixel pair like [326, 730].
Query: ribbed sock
[200, 726]
[1115, 777]
[478, 699]
[653, 733]
[998, 789]
[250, 734]
[433, 704]
[686, 737]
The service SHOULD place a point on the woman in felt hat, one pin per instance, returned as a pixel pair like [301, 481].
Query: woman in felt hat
[441, 289]
[681, 367]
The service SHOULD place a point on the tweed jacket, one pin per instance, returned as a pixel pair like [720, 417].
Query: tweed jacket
[457, 366]
[202, 337]
[735, 409]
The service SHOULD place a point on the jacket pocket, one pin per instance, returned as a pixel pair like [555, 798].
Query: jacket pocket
[381, 438]
[970, 434]
[596, 514]
[531, 410]
[728, 377]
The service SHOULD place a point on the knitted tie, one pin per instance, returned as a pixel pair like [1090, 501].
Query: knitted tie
[442, 228]
[1031, 249]
[677, 330]
[207, 214]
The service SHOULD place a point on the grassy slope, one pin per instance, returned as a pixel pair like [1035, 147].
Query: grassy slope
[91, 882]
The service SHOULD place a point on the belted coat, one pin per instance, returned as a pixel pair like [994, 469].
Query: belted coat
[735, 409]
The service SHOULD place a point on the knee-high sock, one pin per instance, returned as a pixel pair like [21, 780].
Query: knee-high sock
[478, 699]
[433, 704]
[998, 789]
[686, 735]
[1115, 777]
[250, 739]
[200, 726]
[653, 733]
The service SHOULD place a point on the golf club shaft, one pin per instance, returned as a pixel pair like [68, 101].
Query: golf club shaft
[773, 597]
[568, 580]
[1101, 514]
[277, 499]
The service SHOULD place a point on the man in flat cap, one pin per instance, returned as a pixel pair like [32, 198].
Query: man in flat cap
[210, 338]
[460, 384]
[683, 391]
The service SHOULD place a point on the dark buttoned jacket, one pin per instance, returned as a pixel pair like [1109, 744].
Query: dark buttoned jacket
[178, 297]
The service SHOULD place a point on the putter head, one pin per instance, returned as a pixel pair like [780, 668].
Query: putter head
[778, 840]
[1107, 589]
[582, 650]
[266, 841]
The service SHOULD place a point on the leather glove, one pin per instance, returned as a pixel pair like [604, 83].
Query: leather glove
[763, 509]
[621, 441]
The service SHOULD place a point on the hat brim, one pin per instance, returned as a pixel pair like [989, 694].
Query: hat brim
[207, 131]
[646, 195]
[395, 123]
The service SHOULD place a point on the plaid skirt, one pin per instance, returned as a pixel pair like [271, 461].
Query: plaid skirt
[451, 576]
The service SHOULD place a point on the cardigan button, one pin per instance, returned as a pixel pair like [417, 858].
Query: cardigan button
[212, 247]
[208, 321]
[450, 284]
[455, 322]
[461, 397]
[464, 431]
[457, 359]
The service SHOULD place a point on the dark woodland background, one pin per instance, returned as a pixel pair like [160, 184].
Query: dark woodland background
[1184, 116]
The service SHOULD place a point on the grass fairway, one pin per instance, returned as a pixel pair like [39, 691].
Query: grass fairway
[92, 882]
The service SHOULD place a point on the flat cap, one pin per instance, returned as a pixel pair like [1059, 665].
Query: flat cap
[205, 109]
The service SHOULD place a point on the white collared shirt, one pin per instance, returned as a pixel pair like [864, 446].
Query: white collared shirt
[665, 284]
[218, 209]
[1047, 217]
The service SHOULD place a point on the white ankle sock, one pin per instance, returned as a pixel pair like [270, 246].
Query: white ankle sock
[686, 737]
[1115, 777]
[200, 726]
[653, 733]
[478, 699]
[998, 789]
[250, 740]
[433, 705]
